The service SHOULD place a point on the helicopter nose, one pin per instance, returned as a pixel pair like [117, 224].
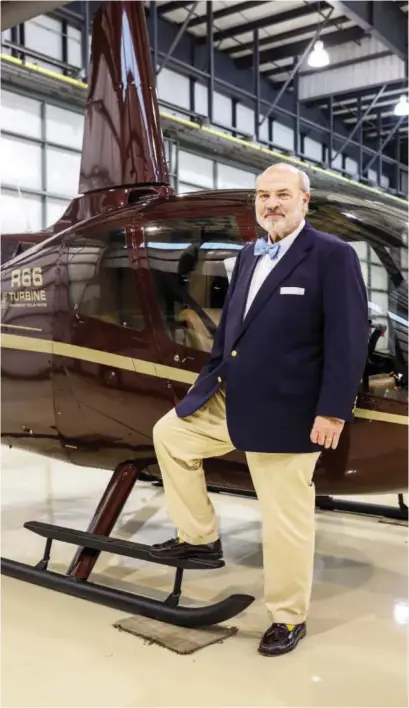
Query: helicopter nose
[27, 361]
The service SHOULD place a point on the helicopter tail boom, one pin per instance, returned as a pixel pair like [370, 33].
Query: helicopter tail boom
[122, 143]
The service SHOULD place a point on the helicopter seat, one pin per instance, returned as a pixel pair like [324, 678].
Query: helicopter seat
[197, 334]
[381, 382]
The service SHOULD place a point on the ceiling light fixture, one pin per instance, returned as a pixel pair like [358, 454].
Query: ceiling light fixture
[319, 56]
[402, 107]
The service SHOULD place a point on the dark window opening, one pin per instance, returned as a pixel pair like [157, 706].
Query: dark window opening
[101, 280]
[191, 261]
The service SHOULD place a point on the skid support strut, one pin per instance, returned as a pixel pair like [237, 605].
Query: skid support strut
[106, 515]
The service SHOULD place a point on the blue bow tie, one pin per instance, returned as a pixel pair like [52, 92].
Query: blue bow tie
[262, 247]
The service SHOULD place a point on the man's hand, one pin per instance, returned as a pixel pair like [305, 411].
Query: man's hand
[326, 431]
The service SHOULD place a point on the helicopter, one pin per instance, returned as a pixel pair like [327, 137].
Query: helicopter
[109, 315]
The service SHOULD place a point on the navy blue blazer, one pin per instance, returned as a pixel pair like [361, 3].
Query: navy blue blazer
[294, 356]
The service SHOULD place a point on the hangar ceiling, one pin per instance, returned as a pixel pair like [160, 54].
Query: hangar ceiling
[358, 90]
[367, 43]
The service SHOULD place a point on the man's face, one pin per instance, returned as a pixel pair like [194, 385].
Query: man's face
[280, 202]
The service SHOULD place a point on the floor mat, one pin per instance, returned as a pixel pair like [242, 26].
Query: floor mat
[178, 639]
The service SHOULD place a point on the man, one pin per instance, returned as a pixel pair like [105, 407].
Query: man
[280, 383]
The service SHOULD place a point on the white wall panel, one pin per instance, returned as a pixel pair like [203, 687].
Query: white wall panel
[283, 136]
[63, 171]
[6, 35]
[373, 175]
[173, 88]
[404, 182]
[64, 127]
[201, 99]
[44, 35]
[360, 248]
[19, 213]
[54, 209]
[337, 163]
[263, 129]
[381, 300]
[20, 163]
[364, 269]
[234, 178]
[184, 188]
[20, 114]
[313, 149]
[245, 119]
[195, 170]
[74, 46]
[351, 167]
[222, 109]
[379, 277]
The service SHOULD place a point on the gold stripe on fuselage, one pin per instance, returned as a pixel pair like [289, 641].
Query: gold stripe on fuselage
[95, 356]
[22, 327]
[149, 368]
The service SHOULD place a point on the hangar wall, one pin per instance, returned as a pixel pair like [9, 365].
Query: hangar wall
[41, 141]
[60, 42]
[41, 148]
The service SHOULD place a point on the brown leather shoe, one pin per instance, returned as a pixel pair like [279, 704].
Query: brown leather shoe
[175, 550]
[278, 639]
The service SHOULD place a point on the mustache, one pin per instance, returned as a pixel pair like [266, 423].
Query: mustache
[273, 213]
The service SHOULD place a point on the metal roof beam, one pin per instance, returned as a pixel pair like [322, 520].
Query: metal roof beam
[170, 6]
[292, 34]
[269, 20]
[17, 11]
[284, 69]
[225, 12]
[339, 65]
[382, 20]
[383, 106]
[297, 48]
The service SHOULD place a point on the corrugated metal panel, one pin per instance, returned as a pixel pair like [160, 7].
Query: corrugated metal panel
[352, 50]
[372, 72]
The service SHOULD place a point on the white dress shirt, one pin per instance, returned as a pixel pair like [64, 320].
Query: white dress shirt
[266, 265]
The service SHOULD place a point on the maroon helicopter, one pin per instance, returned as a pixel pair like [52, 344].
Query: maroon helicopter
[108, 319]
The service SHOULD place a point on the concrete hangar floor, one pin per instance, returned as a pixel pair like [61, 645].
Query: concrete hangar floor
[62, 651]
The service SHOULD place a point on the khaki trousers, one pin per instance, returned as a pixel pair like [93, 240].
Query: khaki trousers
[284, 487]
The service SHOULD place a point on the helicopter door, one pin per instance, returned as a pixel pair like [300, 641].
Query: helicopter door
[190, 260]
[108, 395]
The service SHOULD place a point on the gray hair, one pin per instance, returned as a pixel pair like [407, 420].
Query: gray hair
[303, 177]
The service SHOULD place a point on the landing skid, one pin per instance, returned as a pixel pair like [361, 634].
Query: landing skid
[325, 503]
[167, 610]
[97, 540]
[399, 513]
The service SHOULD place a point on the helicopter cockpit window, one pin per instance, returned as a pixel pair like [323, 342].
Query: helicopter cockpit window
[101, 280]
[191, 261]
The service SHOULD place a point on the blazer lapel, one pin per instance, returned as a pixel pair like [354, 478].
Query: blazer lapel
[245, 278]
[291, 259]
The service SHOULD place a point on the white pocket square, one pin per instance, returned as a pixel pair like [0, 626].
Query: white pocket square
[292, 291]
